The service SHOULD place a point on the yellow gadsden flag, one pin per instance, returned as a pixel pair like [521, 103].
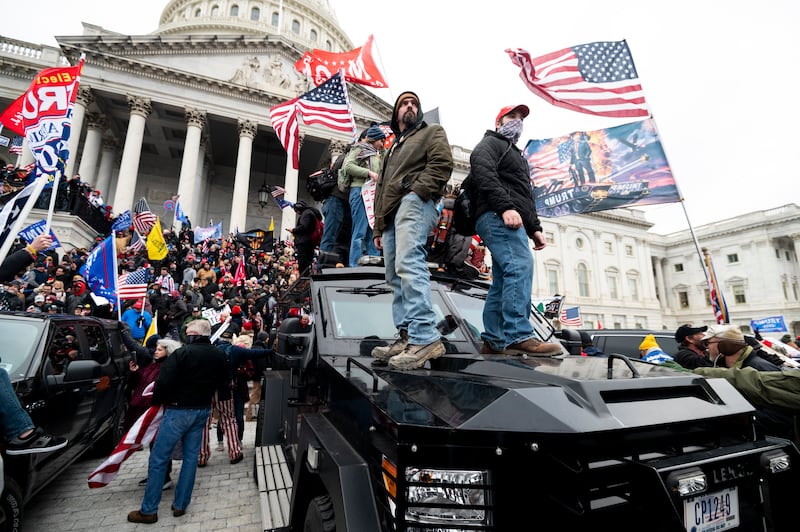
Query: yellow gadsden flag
[156, 247]
[153, 329]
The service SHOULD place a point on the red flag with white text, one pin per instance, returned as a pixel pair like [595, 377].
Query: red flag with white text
[43, 114]
[358, 64]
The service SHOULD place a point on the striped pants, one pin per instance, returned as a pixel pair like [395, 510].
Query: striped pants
[228, 421]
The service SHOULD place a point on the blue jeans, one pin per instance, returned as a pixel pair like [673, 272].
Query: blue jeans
[407, 272]
[362, 232]
[333, 215]
[13, 418]
[179, 424]
[507, 311]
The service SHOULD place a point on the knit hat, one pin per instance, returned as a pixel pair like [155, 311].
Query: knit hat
[403, 96]
[730, 333]
[648, 342]
[374, 133]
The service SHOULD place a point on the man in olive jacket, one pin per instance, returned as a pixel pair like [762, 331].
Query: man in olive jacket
[415, 172]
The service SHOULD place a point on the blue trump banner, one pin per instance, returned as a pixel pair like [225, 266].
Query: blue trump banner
[205, 233]
[769, 325]
[100, 271]
[34, 230]
[123, 222]
[590, 171]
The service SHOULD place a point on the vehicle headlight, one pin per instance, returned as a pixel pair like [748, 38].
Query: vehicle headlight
[776, 461]
[449, 497]
[688, 482]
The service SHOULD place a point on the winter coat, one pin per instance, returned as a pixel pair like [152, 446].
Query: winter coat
[500, 180]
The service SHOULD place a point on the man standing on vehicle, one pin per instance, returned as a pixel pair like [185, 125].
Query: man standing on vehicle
[505, 219]
[415, 172]
[186, 383]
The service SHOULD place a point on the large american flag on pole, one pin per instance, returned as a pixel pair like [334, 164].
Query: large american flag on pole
[132, 285]
[143, 217]
[326, 105]
[598, 78]
[140, 434]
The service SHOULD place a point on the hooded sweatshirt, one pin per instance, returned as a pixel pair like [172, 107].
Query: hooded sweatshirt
[420, 160]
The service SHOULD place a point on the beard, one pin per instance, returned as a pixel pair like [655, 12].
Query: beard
[409, 118]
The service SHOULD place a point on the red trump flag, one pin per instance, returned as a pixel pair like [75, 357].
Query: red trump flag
[358, 65]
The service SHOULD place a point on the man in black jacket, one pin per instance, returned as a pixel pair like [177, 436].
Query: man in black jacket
[505, 219]
[302, 232]
[185, 385]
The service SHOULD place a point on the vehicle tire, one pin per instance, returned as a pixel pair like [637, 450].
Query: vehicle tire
[319, 516]
[11, 507]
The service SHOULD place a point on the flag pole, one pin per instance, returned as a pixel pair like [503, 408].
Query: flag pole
[15, 229]
[115, 277]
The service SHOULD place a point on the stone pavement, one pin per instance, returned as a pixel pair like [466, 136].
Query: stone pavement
[225, 496]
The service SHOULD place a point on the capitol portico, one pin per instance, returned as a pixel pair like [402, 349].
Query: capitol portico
[185, 110]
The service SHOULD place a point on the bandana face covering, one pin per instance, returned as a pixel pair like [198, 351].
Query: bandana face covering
[512, 130]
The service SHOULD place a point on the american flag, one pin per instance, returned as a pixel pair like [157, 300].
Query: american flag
[137, 242]
[143, 217]
[598, 78]
[16, 146]
[571, 317]
[132, 285]
[326, 105]
[717, 299]
[550, 161]
[278, 191]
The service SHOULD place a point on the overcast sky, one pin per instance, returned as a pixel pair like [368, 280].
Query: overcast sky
[719, 77]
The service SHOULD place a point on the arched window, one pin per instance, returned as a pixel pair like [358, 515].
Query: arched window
[234, 10]
[296, 26]
[583, 280]
[214, 10]
[313, 35]
[198, 12]
[276, 17]
[328, 46]
[255, 13]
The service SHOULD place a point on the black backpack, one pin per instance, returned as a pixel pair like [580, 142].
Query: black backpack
[321, 183]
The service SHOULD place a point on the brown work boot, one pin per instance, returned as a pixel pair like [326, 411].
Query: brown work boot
[384, 353]
[137, 516]
[535, 347]
[487, 349]
[415, 355]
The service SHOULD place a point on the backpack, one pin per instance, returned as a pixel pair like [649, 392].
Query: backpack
[463, 218]
[321, 183]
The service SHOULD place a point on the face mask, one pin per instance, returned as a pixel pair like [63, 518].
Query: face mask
[512, 130]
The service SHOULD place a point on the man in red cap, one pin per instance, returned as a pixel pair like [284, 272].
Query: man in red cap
[505, 218]
[138, 320]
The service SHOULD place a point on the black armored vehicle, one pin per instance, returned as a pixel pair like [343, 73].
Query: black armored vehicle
[473, 442]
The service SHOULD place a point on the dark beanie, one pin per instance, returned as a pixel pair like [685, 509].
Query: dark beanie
[374, 133]
[150, 343]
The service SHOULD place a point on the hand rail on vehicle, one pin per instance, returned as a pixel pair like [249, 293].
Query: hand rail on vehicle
[627, 362]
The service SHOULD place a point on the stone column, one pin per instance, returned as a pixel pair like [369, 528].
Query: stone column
[26, 157]
[106, 166]
[288, 216]
[82, 102]
[241, 183]
[195, 119]
[91, 148]
[336, 148]
[198, 205]
[131, 152]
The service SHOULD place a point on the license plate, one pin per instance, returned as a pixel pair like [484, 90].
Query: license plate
[712, 511]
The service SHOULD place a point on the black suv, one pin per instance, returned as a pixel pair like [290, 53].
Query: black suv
[626, 341]
[70, 373]
[490, 442]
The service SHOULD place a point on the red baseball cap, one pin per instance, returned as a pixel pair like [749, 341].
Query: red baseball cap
[522, 108]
